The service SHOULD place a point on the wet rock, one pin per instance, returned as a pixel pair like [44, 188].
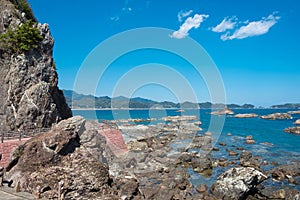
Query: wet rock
[203, 142]
[201, 188]
[287, 172]
[164, 186]
[250, 141]
[240, 148]
[179, 118]
[207, 133]
[233, 153]
[297, 121]
[293, 130]
[249, 137]
[278, 175]
[223, 162]
[225, 111]
[279, 193]
[198, 123]
[247, 160]
[186, 157]
[201, 163]
[247, 115]
[277, 116]
[215, 149]
[237, 183]
[189, 126]
[222, 144]
[267, 144]
[294, 112]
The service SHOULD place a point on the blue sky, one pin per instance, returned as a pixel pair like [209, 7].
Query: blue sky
[254, 43]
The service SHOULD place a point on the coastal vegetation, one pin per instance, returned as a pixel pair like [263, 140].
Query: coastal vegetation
[21, 39]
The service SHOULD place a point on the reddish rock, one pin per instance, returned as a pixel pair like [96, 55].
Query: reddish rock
[7, 147]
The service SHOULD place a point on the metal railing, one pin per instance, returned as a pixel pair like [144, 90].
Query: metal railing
[11, 135]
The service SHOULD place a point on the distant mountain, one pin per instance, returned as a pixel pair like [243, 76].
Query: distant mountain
[288, 105]
[76, 100]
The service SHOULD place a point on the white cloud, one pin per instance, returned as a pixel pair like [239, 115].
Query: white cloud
[253, 28]
[183, 14]
[226, 24]
[191, 22]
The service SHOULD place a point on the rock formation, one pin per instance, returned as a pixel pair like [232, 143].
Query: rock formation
[297, 121]
[225, 111]
[276, 116]
[29, 94]
[247, 115]
[237, 183]
[293, 130]
[294, 112]
[60, 158]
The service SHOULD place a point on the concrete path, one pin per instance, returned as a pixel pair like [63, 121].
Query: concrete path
[7, 193]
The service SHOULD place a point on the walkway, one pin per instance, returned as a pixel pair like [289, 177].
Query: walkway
[7, 193]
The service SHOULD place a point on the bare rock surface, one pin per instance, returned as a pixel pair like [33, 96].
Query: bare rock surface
[247, 115]
[58, 159]
[293, 130]
[237, 183]
[29, 94]
[294, 112]
[297, 121]
[277, 116]
[225, 111]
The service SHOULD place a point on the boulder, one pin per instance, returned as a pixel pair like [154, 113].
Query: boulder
[294, 112]
[279, 193]
[290, 173]
[237, 183]
[297, 121]
[293, 130]
[225, 111]
[276, 116]
[179, 118]
[250, 141]
[247, 115]
[247, 160]
[61, 164]
[201, 188]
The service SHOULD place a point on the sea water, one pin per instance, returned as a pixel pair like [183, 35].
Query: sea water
[284, 148]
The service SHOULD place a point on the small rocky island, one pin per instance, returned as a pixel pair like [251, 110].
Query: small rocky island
[79, 159]
[277, 116]
[225, 111]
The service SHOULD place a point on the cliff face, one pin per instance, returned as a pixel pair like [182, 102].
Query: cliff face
[29, 96]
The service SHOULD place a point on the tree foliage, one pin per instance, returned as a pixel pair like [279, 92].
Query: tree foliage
[22, 39]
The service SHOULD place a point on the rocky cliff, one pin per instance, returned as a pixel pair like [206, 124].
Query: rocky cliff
[29, 94]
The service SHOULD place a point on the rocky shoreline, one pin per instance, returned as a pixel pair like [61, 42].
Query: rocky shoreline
[153, 162]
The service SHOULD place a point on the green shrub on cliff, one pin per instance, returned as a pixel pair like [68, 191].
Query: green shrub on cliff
[22, 39]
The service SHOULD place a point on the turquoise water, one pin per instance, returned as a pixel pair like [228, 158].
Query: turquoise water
[286, 146]
[285, 149]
